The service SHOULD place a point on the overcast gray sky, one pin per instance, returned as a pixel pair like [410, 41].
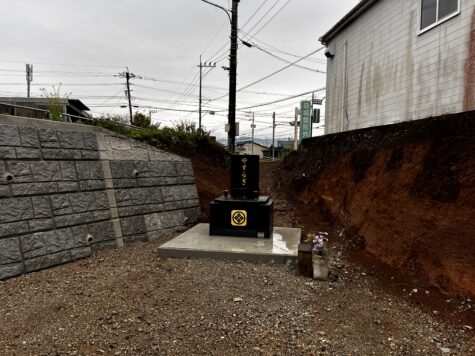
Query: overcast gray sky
[83, 44]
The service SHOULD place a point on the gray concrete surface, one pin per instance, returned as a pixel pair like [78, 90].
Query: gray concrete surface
[197, 243]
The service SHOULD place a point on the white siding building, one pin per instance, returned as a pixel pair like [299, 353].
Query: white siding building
[251, 148]
[398, 60]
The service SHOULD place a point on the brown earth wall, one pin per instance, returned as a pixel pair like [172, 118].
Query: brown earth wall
[406, 191]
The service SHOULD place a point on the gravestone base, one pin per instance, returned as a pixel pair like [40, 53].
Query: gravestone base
[281, 248]
[242, 217]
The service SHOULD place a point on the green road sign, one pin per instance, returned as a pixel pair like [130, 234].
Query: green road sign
[305, 119]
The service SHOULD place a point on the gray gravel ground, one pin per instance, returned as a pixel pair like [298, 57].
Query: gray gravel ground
[130, 302]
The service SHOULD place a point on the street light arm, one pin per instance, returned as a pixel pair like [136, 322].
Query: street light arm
[222, 8]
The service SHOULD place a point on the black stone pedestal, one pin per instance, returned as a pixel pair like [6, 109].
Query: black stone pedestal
[242, 217]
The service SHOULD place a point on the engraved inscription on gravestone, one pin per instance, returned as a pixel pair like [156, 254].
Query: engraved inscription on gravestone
[244, 176]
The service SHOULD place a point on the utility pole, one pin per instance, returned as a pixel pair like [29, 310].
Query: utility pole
[201, 66]
[127, 75]
[29, 78]
[232, 72]
[296, 128]
[201, 78]
[252, 135]
[232, 78]
[273, 135]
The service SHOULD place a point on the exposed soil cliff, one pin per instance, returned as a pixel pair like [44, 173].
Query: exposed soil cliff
[405, 192]
[211, 171]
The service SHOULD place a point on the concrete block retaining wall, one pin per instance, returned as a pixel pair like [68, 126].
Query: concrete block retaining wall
[67, 190]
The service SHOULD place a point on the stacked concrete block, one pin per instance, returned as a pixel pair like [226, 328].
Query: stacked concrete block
[68, 190]
[154, 189]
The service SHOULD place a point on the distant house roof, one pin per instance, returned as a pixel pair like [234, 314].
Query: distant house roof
[75, 106]
[354, 13]
[79, 104]
[76, 102]
[242, 143]
[285, 144]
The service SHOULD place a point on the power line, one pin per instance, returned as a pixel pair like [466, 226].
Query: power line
[188, 89]
[254, 13]
[112, 97]
[192, 87]
[65, 84]
[271, 74]
[64, 64]
[280, 70]
[273, 48]
[273, 16]
[262, 18]
[58, 72]
[148, 78]
[147, 107]
[222, 56]
[158, 89]
[214, 37]
[253, 45]
[280, 100]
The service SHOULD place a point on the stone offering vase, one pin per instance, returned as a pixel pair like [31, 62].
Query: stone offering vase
[320, 267]
[304, 258]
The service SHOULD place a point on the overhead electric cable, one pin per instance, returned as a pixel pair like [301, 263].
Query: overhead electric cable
[270, 75]
[281, 100]
[65, 84]
[268, 12]
[280, 70]
[224, 54]
[273, 48]
[285, 60]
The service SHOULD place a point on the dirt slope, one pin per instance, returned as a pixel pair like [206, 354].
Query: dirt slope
[211, 181]
[405, 192]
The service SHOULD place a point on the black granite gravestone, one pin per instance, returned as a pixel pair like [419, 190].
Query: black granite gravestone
[243, 213]
[244, 176]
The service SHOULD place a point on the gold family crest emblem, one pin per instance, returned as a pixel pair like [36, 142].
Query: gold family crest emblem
[238, 217]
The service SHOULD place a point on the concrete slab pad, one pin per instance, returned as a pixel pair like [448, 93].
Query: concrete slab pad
[197, 243]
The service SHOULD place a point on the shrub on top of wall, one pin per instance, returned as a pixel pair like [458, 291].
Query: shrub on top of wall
[184, 138]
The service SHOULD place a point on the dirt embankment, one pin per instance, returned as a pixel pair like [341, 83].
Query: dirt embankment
[211, 169]
[405, 192]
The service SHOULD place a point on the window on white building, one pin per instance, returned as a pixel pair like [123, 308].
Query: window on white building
[434, 12]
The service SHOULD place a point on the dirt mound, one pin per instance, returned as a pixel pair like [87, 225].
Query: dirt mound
[211, 181]
[404, 192]
[211, 169]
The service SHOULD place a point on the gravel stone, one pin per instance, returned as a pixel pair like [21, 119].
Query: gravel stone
[130, 302]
